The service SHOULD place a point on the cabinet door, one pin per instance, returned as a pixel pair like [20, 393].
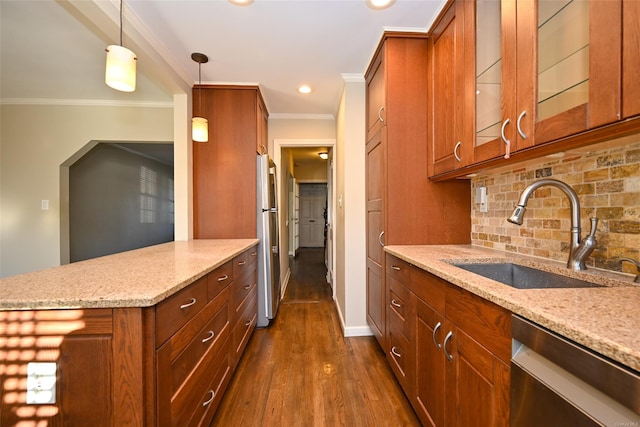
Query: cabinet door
[430, 366]
[569, 72]
[376, 95]
[477, 384]
[490, 29]
[630, 58]
[375, 179]
[450, 144]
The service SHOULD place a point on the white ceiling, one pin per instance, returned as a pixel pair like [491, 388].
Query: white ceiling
[52, 51]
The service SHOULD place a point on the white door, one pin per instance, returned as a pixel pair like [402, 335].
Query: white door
[313, 201]
[296, 217]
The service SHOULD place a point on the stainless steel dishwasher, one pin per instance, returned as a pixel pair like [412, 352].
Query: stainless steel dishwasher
[556, 382]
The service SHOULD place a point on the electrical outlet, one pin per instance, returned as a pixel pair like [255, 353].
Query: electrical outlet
[41, 383]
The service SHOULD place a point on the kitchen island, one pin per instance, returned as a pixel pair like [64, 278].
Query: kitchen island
[604, 319]
[145, 337]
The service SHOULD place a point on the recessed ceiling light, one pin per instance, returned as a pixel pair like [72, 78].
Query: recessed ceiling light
[379, 4]
[241, 2]
[305, 89]
[324, 155]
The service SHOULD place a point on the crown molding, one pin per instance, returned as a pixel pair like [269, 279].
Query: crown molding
[300, 116]
[85, 102]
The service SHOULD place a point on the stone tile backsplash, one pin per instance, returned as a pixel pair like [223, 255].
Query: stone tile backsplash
[606, 178]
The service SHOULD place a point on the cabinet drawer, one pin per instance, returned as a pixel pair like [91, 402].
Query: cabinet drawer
[398, 298]
[218, 279]
[399, 356]
[482, 320]
[429, 288]
[175, 311]
[198, 394]
[242, 288]
[244, 263]
[178, 357]
[246, 323]
[398, 269]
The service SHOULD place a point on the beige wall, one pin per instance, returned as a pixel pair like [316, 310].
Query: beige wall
[606, 178]
[311, 173]
[350, 224]
[35, 141]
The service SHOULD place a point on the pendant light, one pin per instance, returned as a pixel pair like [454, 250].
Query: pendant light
[199, 125]
[120, 72]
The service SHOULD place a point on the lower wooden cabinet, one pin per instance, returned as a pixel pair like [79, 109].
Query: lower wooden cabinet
[457, 346]
[166, 365]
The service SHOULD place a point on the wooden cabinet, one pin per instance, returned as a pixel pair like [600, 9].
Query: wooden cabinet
[630, 58]
[403, 205]
[446, 85]
[262, 116]
[164, 365]
[537, 77]
[224, 169]
[455, 347]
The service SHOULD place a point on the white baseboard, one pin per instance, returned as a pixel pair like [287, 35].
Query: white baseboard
[352, 331]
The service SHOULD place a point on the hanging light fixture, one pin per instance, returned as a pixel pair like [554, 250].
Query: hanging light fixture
[120, 72]
[199, 125]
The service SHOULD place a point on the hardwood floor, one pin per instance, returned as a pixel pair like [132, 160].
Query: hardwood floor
[301, 371]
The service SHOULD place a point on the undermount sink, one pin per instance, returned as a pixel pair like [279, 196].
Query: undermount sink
[521, 277]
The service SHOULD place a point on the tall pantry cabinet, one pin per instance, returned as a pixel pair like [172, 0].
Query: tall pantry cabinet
[402, 206]
[224, 169]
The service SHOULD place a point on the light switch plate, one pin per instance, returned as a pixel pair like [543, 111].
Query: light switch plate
[41, 383]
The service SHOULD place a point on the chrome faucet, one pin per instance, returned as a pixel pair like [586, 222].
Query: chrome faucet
[579, 250]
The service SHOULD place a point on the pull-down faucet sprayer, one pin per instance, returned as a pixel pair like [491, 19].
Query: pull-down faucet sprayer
[579, 250]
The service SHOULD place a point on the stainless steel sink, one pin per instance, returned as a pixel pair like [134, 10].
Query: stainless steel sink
[521, 277]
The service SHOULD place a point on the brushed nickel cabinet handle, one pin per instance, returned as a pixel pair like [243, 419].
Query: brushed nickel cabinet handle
[189, 304]
[395, 267]
[395, 352]
[395, 303]
[242, 263]
[253, 253]
[504, 138]
[444, 346]
[223, 278]
[246, 287]
[208, 401]
[248, 323]
[433, 335]
[520, 117]
[455, 151]
[380, 238]
[380, 114]
[209, 337]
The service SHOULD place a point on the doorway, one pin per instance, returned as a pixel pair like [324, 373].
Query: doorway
[289, 179]
[313, 215]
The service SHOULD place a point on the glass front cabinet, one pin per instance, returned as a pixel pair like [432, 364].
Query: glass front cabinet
[539, 70]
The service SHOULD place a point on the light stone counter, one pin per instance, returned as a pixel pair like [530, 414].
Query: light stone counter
[605, 319]
[138, 278]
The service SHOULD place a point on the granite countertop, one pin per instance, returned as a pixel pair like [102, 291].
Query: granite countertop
[605, 319]
[137, 278]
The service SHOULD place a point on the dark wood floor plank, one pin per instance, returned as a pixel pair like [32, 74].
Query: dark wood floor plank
[301, 371]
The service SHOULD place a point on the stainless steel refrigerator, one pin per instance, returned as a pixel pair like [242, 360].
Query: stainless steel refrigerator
[268, 249]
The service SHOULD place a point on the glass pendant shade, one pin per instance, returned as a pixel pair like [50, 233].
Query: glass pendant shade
[120, 72]
[199, 129]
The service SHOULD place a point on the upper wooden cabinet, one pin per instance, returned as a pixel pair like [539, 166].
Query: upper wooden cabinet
[376, 96]
[262, 116]
[446, 86]
[224, 169]
[534, 72]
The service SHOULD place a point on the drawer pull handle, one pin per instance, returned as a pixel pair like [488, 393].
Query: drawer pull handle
[209, 337]
[395, 267]
[444, 346]
[223, 278]
[241, 263]
[208, 401]
[433, 335]
[189, 304]
[395, 303]
[248, 323]
[395, 352]
[247, 287]
[253, 253]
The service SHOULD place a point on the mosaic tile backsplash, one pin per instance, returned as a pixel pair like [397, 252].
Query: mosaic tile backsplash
[606, 178]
